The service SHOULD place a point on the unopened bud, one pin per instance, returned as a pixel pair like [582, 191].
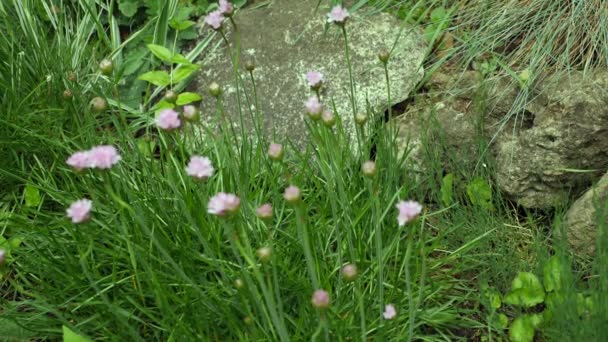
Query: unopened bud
[361, 119]
[275, 151]
[215, 90]
[106, 67]
[170, 96]
[264, 254]
[369, 168]
[320, 299]
[98, 105]
[191, 113]
[329, 119]
[250, 66]
[72, 76]
[264, 212]
[292, 194]
[349, 272]
[384, 56]
[67, 94]
[238, 283]
[248, 320]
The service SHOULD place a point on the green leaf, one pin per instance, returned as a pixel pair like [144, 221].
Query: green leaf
[180, 59]
[163, 105]
[552, 274]
[503, 321]
[134, 60]
[184, 72]
[438, 15]
[526, 290]
[14, 243]
[128, 8]
[70, 336]
[522, 329]
[161, 52]
[185, 98]
[32, 196]
[585, 305]
[447, 189]
[146, 146]
[158, 78]
[180, 25]
[480, 193]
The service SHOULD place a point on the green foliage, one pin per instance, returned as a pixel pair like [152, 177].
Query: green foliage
[523, 327]
[447, 189]
[70, 336]
[526, 290]
[479, 192]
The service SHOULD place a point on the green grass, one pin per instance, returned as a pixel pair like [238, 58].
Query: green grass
[152, 264]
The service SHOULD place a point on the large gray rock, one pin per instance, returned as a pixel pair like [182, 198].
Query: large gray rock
[286, 39]
[582, 218]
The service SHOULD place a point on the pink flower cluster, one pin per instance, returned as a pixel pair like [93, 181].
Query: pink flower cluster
[80, 211]
[200, 168]
[408, 211]
[98, 157]
[216, 18]
[338, 15]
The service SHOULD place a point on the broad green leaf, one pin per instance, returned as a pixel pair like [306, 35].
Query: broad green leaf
[161, 52]
[180, 25]
[185, 98]
[70, 336]
[554, 300]
[162, 104]
[438, 15]
[180, 59]
[158, 78]
[146, 146]
[503, 321]
[134, 60]
[184, 72]
[32, 196]
[522, 329]
[584, 305]
[526, 290]
[14, 243]
[128, 8]
[480, 193]
[447, 189]
[552, 274]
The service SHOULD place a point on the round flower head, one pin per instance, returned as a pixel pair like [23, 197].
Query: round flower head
[225, 8]
[389, 311]
[328, 117]
[275, 151]
[168, 119]
[215, 20]
[315, 79]
[349, 272]
[408, 210]
[320, 299]
[199, 168]
[223, 203]
[190, 113]
[338, 15]
[292, 194]
[79, 160]
[264, 211]
[314, 107]
[103, 157]
[369, 168]
[80, 211]
[264, 253]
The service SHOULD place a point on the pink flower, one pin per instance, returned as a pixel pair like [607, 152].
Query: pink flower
[103, 157]
[408, 211]
[320, 299]
[314, 107]
[79, 160]
[315, 79]
[264, 211]
[389, 311]
[223, 203]
[350, 272]
[168, 119]
[275, 151]
[215, 19]
[338, 15]
[80, 211]
[292, 194]
[190, 113]
[328, 117]
[199, 167]
[226, 8]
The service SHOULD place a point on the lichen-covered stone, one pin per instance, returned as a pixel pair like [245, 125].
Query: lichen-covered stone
[288, 38]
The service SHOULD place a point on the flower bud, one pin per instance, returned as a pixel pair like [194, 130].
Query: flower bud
[361, 119]
[72, 76]
[292, 194]
[238, 283]
[98, 105]
[369, 168]
[248, 320]
[275, 152]
[190, 113]
[264, 212]
[329, 119]
[170, 96]
[264, 254]
[349, 272]
[215, 90]
[384, 56]
[67, 94]
[320, 299]
[250, 66]
[106, 67]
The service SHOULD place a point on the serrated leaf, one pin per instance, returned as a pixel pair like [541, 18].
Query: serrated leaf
[134, 60]
[526, 290]
[128, 8]
[180, 59]
[70, 336]
[185, 98]
[160, 52]
[552, 274]
[158, 78]
[32, 196]
[447, 189]
[184, 72]
[522, 329]
[480, 193]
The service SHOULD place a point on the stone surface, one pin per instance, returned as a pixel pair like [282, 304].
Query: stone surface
[582, 220]
[556, 146]
[286, 39]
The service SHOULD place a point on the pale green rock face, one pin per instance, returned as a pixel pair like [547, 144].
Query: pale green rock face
[285, 40]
